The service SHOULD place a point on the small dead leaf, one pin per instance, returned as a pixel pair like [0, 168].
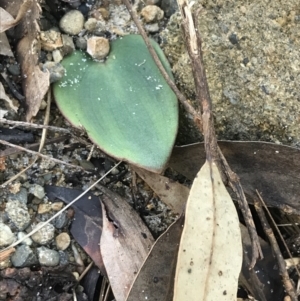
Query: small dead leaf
[270, 168]
[170, 192]
[5, 97]
[7, 21]
[35, 82]
[4, 45]
[155, 280]
[124, 244]
[210, 252]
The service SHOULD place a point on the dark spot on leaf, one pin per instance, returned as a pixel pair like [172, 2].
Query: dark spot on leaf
[189, 271]
[144, 235]
[155, 279]
[224, 293]
[220, 273]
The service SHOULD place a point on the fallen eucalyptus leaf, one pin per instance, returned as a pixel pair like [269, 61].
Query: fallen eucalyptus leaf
[155, 280]
[170, 192]
[124, 244]
[210, 253]
[124, 104]
[270, 168]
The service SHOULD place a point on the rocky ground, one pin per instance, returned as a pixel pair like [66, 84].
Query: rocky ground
[251, 52]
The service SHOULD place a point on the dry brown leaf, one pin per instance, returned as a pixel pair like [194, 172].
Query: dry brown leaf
[210, 253]
[278, 166]
[7, 21]
[9, 102]
[35, 82]
[124, 244]
[170, 192]
[155, 280]
[4, 45]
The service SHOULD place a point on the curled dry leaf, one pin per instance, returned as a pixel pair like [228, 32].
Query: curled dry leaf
[210, 252]
[7, 21]
[5, 97]
[155, 280]
[170, 192]
[124, 244]
[35, 82]
[4, 45]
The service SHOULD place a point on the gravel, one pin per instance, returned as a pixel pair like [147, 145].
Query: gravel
[23, 257]
[47, 257]
[18, 214]
[6, 235]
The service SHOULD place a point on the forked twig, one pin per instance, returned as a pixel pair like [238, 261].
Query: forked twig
[193, 43]
[289, 287]
[279, 233]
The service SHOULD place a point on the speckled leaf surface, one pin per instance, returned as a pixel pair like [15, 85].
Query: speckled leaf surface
[210, 252]
[124, 104]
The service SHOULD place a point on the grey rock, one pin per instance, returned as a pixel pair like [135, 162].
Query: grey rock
[44, 235]
[81, 43]
[21, 196]
[68, 44]
[90, 24]
[63, 258]
[56, 71]
[57, 55]
[27, 241]
[14, 69]
[37, 190]
[251, 58]
[61, 221]
[47, 257]
[18, 213]
[72, 22]
[169, 7]
[23, 257]
[152, 28]
[6, 235]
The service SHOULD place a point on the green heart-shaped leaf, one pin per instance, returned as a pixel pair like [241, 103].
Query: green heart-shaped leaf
[124, 104]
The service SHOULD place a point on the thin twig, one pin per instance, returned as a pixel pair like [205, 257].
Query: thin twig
[33, 125]
[278, 231]
[13, 151]
[289, 287]
[188, 107]
[213, 152]
[40, 155]
[59, 212]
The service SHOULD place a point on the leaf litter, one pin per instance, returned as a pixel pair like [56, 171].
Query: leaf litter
[266, 159]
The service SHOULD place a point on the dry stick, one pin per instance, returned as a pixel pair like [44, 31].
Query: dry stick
[13, 151]
[279, 233]
[40, 155]
[203, 95]
[188, 107]
[235, 184]
[33, 125]
[289, 287]
[213, 152]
